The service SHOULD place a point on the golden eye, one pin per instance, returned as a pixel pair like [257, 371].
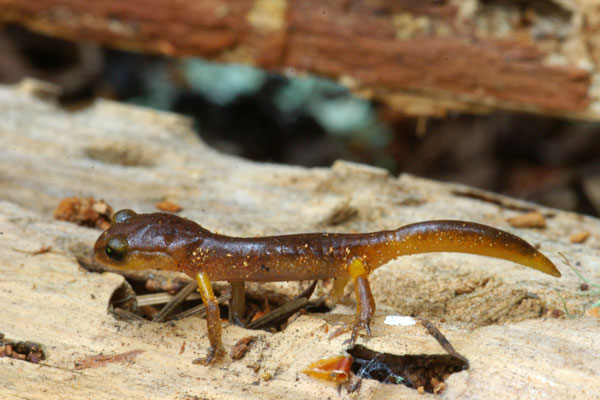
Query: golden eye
[116, 248]
[122, 216]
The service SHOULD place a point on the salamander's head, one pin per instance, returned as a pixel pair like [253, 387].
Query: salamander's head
[146, 241]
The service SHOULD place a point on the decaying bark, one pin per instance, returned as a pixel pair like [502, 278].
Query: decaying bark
[134, 158]
[420, 57]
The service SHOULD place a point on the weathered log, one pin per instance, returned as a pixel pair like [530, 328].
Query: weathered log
[134, 157]
[420, 57]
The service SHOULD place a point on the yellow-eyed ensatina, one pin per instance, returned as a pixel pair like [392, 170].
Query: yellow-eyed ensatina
[168, 242]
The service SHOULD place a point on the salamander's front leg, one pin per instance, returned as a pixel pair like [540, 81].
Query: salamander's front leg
[365, 304]
[213, 316]
[237, 304]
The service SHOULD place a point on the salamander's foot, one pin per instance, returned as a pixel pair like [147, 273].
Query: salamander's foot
[212, 354]
[345, 327]
[356, 326]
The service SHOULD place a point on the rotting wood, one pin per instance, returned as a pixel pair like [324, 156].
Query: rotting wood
[47, 154]
[419, 57]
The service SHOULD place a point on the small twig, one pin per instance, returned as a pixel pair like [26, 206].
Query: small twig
[127, 315]
[583, 278]
[125, 299]
[565, 305]
[308, 291]
[285, 310]
[41, 250]
[279, 313]
[199, 309]
[175, 301]
[161, 298]
[441, 339]
[596, 293]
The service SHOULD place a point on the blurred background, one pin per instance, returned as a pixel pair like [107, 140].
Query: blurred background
[499, 96]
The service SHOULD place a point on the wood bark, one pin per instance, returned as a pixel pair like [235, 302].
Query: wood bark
[504, 318]
[419, 57]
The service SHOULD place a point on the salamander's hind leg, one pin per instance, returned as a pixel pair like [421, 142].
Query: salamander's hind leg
[365, 305]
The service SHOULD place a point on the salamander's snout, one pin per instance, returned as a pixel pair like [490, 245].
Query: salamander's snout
[111, 248]
[142, 241]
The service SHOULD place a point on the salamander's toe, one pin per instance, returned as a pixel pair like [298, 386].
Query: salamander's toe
[345, 327]
[355, 327]
[212, 352]
[212, 355]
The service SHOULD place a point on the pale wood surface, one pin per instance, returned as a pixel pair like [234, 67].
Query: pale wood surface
[503, 325]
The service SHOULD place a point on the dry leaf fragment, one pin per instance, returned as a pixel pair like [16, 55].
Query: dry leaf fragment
[579, 237]
[534, 219]
[41, 250]
[334, 369]
[593, 312]
[86, 212]
[241, 347]
[101, 360]
[168, 206]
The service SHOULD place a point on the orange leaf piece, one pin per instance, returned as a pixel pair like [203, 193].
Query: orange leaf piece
[534, 219]
[334, 369]
[593, 312]
[579, 237]
[168, 206]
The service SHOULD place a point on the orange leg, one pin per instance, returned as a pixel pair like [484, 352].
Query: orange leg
[213, 315]
[365, 304]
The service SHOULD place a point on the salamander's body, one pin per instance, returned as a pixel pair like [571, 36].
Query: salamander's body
[165, 241]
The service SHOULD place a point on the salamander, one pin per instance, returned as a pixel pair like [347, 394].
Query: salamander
[169, 242]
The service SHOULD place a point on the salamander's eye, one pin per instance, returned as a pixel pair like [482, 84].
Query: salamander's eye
[122, 216]
[116, 248]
